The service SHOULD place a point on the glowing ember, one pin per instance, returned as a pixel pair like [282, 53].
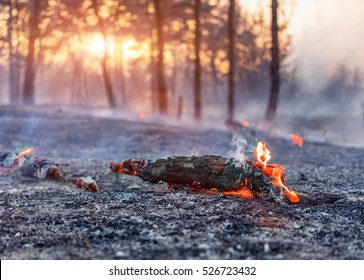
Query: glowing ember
[296, 140]
[274, 171]
[245, 123]
[244, 192]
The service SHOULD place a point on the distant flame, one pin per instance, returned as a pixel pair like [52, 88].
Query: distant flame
[244, 123]
[296, 140]
[141, 116]
[25, 153]
[262, 154]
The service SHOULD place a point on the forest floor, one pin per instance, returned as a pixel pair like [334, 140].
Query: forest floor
[132, 219]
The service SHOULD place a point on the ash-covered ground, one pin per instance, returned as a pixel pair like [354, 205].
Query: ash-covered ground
[132, 219]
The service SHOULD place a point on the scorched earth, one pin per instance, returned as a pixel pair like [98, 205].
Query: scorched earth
[132, 219]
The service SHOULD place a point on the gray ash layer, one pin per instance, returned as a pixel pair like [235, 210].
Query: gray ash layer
[132, 219]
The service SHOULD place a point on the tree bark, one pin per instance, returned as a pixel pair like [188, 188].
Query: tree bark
[34, 34]
[161, 84]
[231, 54]
[275, 77]
[197, 76]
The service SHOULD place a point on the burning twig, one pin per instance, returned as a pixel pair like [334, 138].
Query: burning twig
[215, 173]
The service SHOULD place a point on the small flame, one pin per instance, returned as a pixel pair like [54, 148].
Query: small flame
[296, 140]
[244, 123]
[275, 171]
[262, 154]
[25, 153]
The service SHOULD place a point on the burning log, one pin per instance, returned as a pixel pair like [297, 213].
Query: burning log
[42, 169]
[215, 173]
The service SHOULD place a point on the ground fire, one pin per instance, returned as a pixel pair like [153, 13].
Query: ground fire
[227, 175]
[41, 168]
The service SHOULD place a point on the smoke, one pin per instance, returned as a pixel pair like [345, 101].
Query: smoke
[241, 145]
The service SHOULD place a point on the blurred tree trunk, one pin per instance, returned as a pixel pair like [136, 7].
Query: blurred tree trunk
[215, 79]
[275, 77]
[76, 89]
[197, 76]
[152, 75]
[231, 55]
[34, 34]
[104, 61]
[119, 70]
[14, 66]
[161, 85]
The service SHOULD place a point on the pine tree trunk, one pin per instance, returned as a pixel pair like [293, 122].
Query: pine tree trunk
[14, 75]
[161, 85]
[107, 81]
[231, 55]
[104, 61]
[197, 76]
[34, 34]
[275, 77]
[153, 87]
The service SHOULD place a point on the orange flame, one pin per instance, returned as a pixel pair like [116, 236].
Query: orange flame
[296, 140]
[25, 152]
[275, 171]
[244, 123]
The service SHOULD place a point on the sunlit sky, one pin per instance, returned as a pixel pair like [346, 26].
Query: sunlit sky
[325, 33]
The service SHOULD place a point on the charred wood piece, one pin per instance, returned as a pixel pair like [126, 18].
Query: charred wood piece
[86, 183]
[208, 172]
[42, 169]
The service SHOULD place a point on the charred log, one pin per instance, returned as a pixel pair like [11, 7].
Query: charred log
[208, 172]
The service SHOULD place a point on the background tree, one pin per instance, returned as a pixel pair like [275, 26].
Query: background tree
[161, 84]
[197, 76]
[231, 54]
[105, 60]
[275, 77]
[35, 8]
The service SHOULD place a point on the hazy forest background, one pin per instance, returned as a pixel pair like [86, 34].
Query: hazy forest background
[208, 60]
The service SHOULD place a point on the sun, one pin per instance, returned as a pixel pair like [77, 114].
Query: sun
[97, 45]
